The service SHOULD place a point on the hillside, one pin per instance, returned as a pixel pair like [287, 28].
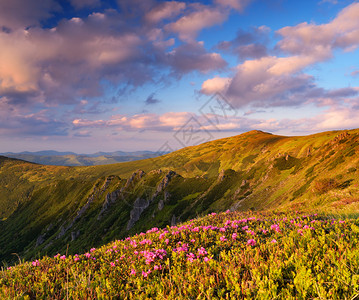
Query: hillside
[46, 209]
[221, 256]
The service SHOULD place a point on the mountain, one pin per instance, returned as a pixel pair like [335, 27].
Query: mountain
[55, 158]
[46, 209]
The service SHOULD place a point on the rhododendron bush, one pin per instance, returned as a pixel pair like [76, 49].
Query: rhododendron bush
[220, 256]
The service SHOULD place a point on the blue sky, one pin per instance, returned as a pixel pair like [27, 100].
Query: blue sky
[91, 75]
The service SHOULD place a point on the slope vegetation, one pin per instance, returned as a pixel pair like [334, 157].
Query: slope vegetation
[221, 256]
[46, 209]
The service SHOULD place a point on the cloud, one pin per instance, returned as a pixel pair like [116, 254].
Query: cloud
[151, 100]
[193, 56]
[280, 81]
[17, 14]
[319, 40]
[215, 85]
[165, 10]
[71, 61]
[235, 4]
[247, 44]
[188, 26]
[169, 121]
[14, 122]
[354, 73]
[263, 82]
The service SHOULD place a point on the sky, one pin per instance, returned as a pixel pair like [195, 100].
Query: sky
[91, 75]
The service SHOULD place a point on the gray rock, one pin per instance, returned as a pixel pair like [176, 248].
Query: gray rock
[138, 207]
[75, 235]
[41, 239]
[161, 204]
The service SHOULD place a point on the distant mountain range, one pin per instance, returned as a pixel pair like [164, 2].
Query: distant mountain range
[55, 158]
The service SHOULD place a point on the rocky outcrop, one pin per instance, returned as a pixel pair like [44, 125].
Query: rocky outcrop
[107, 182]
[40, 240]
[85, 207]
[141, 204]
[75, 235]
[165, 181]
[137, 175]
[138, 207]
[175, 220]
[110, 199]
[340, 137]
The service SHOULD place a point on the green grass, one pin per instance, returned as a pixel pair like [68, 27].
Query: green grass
[220, 256]
[279, 174]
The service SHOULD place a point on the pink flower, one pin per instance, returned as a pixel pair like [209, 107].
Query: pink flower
[35, 263]
[92, 249]
[167, 241]
[88, 255]
[133, 272]
[206, 258]
[245, 227]
[234, 236]
[251, 242]
[145, 274]
[159, 267]
[223, 238]
[275, 227]
[273, 241]
[63, 257]
[202, 251]
[112, 264]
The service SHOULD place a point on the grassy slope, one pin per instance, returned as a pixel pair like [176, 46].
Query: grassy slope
[260, 171]
[220, 256]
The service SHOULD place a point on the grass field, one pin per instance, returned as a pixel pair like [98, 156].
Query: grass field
[228, 255]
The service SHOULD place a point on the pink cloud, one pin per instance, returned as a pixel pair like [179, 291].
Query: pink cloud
[189, 25]
[165, 10]
[17, 14]
[263, 82]
[188, 57]
[280, 81]
[320, 40]
[215, 85]
[235, 4]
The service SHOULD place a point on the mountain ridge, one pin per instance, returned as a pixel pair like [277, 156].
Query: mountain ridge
[45, 208]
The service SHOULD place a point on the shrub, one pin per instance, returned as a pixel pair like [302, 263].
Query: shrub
[325, 185]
